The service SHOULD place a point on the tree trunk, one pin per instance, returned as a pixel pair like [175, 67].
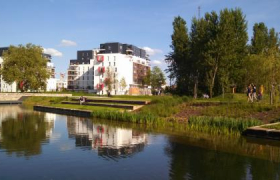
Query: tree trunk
[213, 81]
[195, 91]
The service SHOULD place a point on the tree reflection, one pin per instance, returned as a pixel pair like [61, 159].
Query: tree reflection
[23, 135]
[192, 162]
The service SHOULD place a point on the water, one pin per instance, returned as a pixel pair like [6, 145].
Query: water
[36, 145]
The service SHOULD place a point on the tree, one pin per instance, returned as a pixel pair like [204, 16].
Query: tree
[123, 83]
[259, 39]
[110, 79]
[178, 67]
[147, 78]
[26, 66]
[157, 78]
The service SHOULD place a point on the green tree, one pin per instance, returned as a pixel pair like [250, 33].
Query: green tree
[259, 40]
[26, 66]
[232, 41]
[123, 83]
[110, 79]
[178, 59]
[147, 78]
[157, 78]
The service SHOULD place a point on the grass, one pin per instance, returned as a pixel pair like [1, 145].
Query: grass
[276, 126]
[221, 125]
[229, 117]
[236, 109]
[164, 106]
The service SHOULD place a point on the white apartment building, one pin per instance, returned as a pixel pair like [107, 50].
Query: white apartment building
[90, 71]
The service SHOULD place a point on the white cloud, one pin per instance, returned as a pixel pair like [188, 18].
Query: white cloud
[156, 62]
[151, 51]
[65, 42]
[52, 52]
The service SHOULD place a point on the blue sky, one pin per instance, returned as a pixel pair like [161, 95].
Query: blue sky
[64, 26]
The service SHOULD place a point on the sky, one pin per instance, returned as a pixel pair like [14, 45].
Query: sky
[62, 27]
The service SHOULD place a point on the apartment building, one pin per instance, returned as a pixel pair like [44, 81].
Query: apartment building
[122, 62]
[51, 82]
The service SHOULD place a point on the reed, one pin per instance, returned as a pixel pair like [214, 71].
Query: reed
[221, 125]
[127, 116]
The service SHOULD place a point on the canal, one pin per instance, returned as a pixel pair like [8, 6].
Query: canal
[36, 145]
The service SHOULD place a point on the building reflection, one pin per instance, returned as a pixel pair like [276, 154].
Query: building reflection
[106, 140]
[22, 132]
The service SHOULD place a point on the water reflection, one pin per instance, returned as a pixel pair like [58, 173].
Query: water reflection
[187, 160]
[108, 141]
[23, 133]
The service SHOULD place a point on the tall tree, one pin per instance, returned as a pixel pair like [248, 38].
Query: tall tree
[259, 39]
[26, 66]
[232, 39]
[178, 59]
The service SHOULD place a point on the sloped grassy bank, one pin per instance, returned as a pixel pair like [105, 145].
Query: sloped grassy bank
[159, 112]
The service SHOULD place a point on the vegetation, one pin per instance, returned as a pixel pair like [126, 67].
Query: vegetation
[157, 78]
[276, 126]
[215, 57]
[26, 66]
[110, 79]
[221, 125]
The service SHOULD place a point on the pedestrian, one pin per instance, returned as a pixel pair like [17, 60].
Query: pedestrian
[254, 97]
[261, 90]
[82, 100]
[249, 93]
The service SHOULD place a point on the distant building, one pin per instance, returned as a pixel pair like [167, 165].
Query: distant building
[89, 71]
[51, 82]
[61, 83]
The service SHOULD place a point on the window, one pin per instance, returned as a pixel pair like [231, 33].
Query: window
[115, 69]
[114, 58]
[109, 63]
[114, 63]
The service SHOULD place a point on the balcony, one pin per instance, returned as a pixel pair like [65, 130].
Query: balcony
[101, 69]
[100, 58]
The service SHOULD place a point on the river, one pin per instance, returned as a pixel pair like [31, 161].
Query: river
[36, 145]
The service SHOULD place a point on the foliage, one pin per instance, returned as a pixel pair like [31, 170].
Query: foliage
[110, 79]
[26, 66]
[221, 125]
[123, 83]
[147, 78]
[157, 78]
[24, 134]
[178, 66]
[275, 126]
[215, 57]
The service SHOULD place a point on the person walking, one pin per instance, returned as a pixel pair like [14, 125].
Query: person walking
[249, 93]
[254, 95]
[261, 90]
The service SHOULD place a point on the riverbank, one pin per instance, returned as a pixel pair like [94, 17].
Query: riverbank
[229, 115]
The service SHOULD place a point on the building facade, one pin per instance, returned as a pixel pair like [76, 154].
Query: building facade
[123, 65]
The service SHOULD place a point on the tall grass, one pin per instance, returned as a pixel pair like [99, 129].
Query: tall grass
[127, 116]
[164, 106]
[221, 125]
